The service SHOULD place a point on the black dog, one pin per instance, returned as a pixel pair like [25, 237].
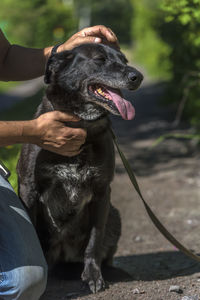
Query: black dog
[69, 197]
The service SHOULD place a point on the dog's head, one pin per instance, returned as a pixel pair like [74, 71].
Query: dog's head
[91, 76]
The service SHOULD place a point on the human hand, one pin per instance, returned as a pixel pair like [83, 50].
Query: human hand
[51, 133]
[95, 34]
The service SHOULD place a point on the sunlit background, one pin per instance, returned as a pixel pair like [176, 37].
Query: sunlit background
[160, 36]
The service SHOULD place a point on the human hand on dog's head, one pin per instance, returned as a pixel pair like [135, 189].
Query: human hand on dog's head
[96, 34]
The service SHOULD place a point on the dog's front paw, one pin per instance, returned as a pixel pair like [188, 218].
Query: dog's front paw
[92, 275]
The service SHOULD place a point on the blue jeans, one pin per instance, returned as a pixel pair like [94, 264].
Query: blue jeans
[23, 269]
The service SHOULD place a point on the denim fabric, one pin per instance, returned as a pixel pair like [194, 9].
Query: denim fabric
[23, 270]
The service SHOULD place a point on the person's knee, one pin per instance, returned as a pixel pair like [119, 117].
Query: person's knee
[35, 283]
[28, 282]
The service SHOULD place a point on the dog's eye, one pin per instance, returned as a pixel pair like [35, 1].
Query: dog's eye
[99, 59]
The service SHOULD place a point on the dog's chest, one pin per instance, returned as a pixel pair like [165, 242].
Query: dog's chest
[76, 174]
[69, 184]
[78, 182]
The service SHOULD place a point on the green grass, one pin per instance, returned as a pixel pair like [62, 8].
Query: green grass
[9, 155]
[23, 110]
[7, 85]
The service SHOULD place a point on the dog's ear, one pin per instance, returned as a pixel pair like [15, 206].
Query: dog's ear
[54, 63]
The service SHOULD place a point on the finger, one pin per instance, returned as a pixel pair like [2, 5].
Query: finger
[66, 117]
[78, 134]
[76, 143]
[57, 147]
[106, 35]
[100, 30]
[71, 153]
[114, 38]
[112, 34]
[84, 40]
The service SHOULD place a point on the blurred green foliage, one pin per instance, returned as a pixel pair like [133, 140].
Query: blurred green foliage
[116, 14]
[149, 47]
[167, 42]
[182, 32]
[9, 155]
[37, 23]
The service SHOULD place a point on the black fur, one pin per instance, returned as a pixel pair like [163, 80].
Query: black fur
[69, 197]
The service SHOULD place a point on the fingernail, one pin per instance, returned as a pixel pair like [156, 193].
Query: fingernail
[97, 40]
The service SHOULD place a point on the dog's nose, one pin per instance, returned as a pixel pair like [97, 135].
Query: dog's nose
[132, 76]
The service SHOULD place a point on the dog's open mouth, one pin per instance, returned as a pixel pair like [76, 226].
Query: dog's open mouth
[112, 100]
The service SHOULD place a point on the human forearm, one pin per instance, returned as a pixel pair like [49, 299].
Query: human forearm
[22, 63]
[13, 132]
[47, 131]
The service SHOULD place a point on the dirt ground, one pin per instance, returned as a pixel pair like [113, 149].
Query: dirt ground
[146, 265]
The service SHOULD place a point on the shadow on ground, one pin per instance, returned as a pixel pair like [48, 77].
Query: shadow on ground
[163, 265]
[72, 271]
[135, 267]
[67, 278]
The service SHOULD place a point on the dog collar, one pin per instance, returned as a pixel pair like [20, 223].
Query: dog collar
[54, 49]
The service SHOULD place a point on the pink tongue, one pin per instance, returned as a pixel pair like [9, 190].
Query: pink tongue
[125, 108]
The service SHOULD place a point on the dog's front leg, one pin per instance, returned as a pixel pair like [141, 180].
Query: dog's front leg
[94, 251]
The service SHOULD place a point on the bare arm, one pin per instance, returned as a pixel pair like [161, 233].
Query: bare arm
[47, 131]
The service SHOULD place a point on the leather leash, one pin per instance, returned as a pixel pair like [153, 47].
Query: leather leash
[152, 216]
